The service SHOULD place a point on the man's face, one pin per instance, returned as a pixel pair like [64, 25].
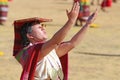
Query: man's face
[38, 33]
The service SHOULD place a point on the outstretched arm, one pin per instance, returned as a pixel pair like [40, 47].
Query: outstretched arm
[76, 39]
[60, 35]
[72, 16]
[79, 36]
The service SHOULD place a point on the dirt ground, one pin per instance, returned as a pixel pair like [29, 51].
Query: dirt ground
[96, 58]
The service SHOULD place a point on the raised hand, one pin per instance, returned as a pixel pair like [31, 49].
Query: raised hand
[92, 17]
[73, 14]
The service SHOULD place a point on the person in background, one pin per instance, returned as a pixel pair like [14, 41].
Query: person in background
[3, 11]
[43, 59]
[105, 4]
[84, 12]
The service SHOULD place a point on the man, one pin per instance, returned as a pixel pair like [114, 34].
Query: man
[84, 12]
[43, 59]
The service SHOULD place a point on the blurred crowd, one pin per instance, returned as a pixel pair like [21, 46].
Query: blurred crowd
[84, 11]
[82, 17]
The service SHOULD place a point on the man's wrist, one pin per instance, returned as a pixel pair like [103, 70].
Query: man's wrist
[72, 21]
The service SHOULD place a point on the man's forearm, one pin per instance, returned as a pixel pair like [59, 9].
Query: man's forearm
[76, 39]
[60, 35]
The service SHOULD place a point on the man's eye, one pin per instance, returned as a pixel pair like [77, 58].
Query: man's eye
[43, 25]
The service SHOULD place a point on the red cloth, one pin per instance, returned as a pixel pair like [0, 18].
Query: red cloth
[106, 3]
[29, 68]
[64, 62]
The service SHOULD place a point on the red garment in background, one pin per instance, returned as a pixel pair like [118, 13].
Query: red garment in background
[106, 3]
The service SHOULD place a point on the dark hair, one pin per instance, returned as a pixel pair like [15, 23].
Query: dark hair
[26, 28]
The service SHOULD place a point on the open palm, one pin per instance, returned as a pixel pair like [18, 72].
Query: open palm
[92, 17]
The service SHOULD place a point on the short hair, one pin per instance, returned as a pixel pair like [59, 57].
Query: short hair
[26, 28]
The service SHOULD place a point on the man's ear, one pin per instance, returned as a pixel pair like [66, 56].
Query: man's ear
[29, 36]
